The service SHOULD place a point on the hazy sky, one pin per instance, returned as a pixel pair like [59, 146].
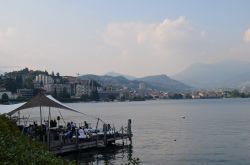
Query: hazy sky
[136, 37]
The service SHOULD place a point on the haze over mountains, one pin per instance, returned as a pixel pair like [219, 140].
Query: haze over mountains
[158, 82]
[225, 74]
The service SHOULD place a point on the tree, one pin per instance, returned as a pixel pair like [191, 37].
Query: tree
[28, 83]
[94, 96]
[111, 97]
[65, 93]
[46, 72]
[5, 98]
[58, 74]
[84, 98]
[52, 74]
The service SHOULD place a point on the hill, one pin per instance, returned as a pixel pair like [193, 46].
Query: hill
[158, 82]
[225, 74]
[114, 74]
[163, 82]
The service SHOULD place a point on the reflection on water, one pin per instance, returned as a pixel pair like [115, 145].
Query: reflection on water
[109, 155]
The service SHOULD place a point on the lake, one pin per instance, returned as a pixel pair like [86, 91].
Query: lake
[215, 131]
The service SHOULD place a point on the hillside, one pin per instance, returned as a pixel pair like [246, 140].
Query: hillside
[158, 82]
[226, 74]
[114, 74]
[163, 82]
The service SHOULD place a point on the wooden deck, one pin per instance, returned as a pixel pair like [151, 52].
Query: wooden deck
[60, 144]
[59, 148]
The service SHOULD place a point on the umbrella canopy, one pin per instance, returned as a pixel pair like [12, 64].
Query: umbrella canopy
[43, 101]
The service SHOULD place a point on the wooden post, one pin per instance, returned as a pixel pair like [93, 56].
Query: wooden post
[61, 138]
[41, 118]
[105, 134]
[114, 132]
[97, 124]
[97, 132]
[19, 118]
[122, 136]
[77, 141]
[48, 131]
[129, 131]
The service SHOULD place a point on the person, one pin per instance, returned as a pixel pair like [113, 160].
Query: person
[55, 123]
[68, 126]
[82, 134]
[51, 123]
[109, 127]
[86, 125]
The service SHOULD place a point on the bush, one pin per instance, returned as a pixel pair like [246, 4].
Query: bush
[16, 148]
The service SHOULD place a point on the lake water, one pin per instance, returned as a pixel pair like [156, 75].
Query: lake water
[213, 132]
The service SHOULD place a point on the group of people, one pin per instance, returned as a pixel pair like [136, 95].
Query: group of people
[73, 131]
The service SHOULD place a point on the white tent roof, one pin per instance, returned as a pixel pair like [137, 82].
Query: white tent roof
[9, 108]
[37, 101]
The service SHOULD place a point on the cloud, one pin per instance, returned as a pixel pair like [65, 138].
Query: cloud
[6, 33]
[247, 36]
[164, 34]
[162, 46]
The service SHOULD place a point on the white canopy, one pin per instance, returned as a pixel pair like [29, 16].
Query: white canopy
[37, 101]
[9, 108]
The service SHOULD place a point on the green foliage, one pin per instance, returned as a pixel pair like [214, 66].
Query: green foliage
[112, 97]
[94, 96]
[5, 98]
[28, 83]
[16, 148]
[84, 98]
[134, 161]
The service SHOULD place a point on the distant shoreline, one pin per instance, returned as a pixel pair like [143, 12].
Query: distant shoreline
[118, 101]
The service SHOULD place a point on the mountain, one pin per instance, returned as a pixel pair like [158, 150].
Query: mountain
[114, 74]
[110, 80]
[158, 82]
[225, 74]
[163, 82]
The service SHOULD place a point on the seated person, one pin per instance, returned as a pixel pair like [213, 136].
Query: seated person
[82, 134]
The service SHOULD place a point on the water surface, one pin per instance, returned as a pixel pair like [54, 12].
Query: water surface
[213, 132]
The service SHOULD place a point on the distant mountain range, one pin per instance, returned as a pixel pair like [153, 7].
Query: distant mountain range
[114, 74]
[158, 82]
[164, 83]
[226, 74]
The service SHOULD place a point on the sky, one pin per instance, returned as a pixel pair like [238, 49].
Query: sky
[134, 37]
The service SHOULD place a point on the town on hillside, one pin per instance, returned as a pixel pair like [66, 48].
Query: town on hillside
[24, 84]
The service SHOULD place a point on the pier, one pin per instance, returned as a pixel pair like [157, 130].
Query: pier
[69, 137]
[60, 145]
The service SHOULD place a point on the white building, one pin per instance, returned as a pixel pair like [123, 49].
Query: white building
[44, 79]
[82, 90]
[58, 89]
[8, 93]
[142, 88]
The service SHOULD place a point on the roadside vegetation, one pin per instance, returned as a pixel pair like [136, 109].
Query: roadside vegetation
[16, 148]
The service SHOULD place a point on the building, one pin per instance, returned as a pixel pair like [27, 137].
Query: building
[44, 79]
[58, 89]
[142, 88]
[4, 91]
[82, 89]
[25, 93]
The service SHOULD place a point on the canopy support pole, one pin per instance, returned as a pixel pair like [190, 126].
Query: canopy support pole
[48, 137]
[41, 118]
